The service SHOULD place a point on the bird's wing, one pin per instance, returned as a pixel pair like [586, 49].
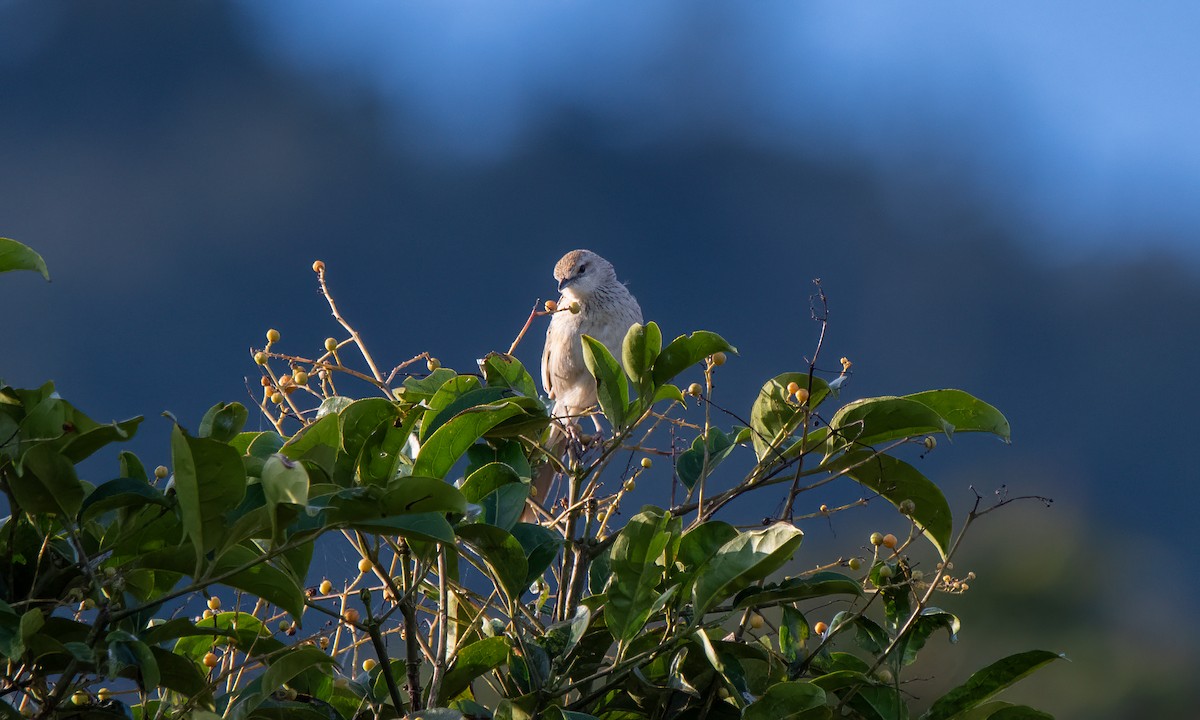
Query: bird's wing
[547, 361]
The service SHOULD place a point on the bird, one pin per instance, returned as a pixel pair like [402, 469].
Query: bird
[606, 311]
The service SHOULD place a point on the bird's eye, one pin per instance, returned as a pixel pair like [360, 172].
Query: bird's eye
[582, 268]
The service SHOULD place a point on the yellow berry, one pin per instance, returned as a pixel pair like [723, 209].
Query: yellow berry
[369, 664]
[630, 485]
[876, 539]
[793, 388]
[824, 509]
[326, 587]
[260, 358]
[277, 397]
[971, 576]
[318, 266]
[551, 306]
[364, 565]
[694, 389]
[211, 660]
[207, 614]
[889, 541]
[285, 379]
[930, 442]
[330, 344]
[756, 621]
[323, 642]
[846, 364]
[104, 694]
[272, 335]
[575, 308]
[300, 377]
[718, 359]
[820, 628]
[964, 587]
[79, 698]
[350, 616]
[801, 396]
[854, 563]
[433, 364]
[885, 572]
[161, 472]
[266, 381]
[647, 463]
[214, 603]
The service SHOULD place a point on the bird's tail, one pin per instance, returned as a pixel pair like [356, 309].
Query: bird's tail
[543, 478]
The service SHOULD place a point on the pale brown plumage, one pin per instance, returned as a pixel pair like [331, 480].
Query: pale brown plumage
[606, 311]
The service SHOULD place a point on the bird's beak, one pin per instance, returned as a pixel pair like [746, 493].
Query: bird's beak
[562, 284]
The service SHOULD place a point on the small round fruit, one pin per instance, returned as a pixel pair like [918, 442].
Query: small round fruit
[364, 565]
[260, 357]
[323, 642]
[885, 571]
[971, 576]
[266, 381]
[330, 345]
[889, 541]
[964, 587]
[369, 664]
[326, 587]
[214, 603]
[211, 660]
[575, 307]
[433, 364]
[161, 472]
[855, 563]
[630, 485]
[350, 616]
[647, 463]
[824, 509]
[87, 604]
[718, 359]
[207, 613]
[820, 628]
[301, 377]
[318, 266]
[756, 621]
[694, 389]
[284, 626]
[930, 442]
[104, 694]
[876, 539]
[277, 397]
[79, 698]
[801, 396]
[272, 335]
[551, 306]
[793, 388]
[907, 507]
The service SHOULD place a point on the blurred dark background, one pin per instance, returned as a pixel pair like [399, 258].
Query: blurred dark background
[998, 199]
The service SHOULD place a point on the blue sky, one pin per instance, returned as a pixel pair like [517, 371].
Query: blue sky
[1078, 118]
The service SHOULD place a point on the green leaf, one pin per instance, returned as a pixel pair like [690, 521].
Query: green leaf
[928, 621]
[640, 349]
[284, 482]
[483, 481]
[472, 661]
[793, 700]
[283, 668]
[209, 481]
[459, 394]
[17, 256]
[502, 554]
[612, 392]
[871, 700]
[415, 389]
[965, 412]
[180, 675]
[500, 370]
[504, 506]
[690, 464]
[897, 481]
[818, 584]
[47, 483]
[880, 419]
[793, 631]
[447, 444]
[360, 419]
[223, 421]
[318, 441]
[427, 527]
[684, 352]
[416, 494]
[120, 493]
[746, 558]
[999, 710]
[127, 650]
[773, 418]
[987, 682]
[83, 444]
[541, 545]
[637, 571]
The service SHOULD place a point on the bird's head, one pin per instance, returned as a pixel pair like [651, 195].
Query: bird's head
[582, 271]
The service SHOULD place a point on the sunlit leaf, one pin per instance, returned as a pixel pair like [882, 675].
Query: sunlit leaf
[17, 256]
[897, 481]
[612, 391]
[987, 682]
[793, 700]
[748, 557]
